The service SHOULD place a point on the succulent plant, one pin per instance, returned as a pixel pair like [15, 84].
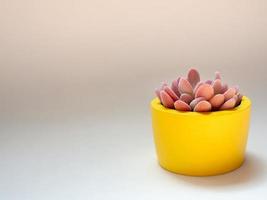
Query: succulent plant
[192, 94]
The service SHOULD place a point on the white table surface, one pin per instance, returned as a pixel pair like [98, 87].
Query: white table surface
[110, 157]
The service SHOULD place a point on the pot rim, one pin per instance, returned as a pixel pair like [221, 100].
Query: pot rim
[244, 105]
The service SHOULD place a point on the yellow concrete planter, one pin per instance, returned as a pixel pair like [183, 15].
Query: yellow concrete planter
[200, 144]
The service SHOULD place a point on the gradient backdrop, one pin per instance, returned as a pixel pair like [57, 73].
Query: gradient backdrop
[76, 79]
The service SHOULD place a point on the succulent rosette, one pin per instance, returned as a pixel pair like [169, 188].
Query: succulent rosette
[191, 94]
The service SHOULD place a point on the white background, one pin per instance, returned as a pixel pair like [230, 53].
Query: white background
[76, 79]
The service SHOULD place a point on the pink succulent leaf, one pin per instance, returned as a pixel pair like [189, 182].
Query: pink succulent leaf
[203, 106]
[163, 84]
[171, 93]
[178, 80]
[193, 77]
[157, 92]
[197, 86]
[224, 88]
[181, 106]
[185, 87]
[208, 82]
[187, 98]
[195, 101]
[235, 97]
[229, 104]
[217, 86]
[166, 99]
[218, 75]
[229, 93]
[205, 91]
[217, 100]
[236, 88]
[239, 99]
[174, 87]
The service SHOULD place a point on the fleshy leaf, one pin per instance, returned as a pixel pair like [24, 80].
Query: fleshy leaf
[224, 88]
[229, 104]
[236, 88]
[239, 99]
[197, 86]
[195, 101]
[164, 84]
[205, 91]
[171, 93]
[187, 98]
[178, 80]
[217, 86]
[174, 87]
[218, 75]
[229, 93]
[193, 77]
[208, 82]
[203, 106]
[181, 106]
[166, 99]
[185, 87]
[217, 100]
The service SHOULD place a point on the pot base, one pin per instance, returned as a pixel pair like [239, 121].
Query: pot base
[202, 174]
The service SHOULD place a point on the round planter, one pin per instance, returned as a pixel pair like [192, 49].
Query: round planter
[200, 144]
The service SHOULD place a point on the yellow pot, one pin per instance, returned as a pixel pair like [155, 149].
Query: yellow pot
[200, 144]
